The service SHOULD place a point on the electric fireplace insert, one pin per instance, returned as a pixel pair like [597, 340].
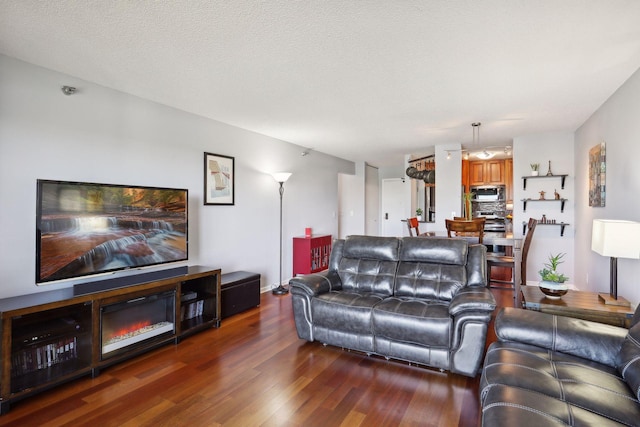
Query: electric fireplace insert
[137, 323]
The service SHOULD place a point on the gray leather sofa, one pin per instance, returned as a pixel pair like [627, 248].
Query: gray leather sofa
[548, 370]
[421, 300]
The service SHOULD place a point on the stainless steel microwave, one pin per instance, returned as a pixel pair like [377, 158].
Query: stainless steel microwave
[488, 193]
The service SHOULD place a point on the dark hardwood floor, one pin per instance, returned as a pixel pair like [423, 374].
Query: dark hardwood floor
[254, 371]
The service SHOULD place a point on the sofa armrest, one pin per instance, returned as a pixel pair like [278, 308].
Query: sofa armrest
[477, 266]
[590, 340]
[315, 284]
[472, 299]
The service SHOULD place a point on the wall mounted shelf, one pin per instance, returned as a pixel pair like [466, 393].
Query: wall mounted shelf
[562, 226]
[525, 201]
[562, 179]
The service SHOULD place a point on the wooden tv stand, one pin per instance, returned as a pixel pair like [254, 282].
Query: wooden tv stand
[55, 336]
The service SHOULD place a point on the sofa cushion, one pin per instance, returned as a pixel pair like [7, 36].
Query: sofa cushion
[372, 247]
[510, 406]
[344, 311]
[589, 340]
[575, 381]
[629, 360]
[367, 275]
[430, 281]
[415, 321]
[431, 268]
[369, 264]
[435, 250]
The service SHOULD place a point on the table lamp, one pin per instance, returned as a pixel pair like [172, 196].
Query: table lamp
[615, 239]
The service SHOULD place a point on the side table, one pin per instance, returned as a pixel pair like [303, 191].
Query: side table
[578, 304]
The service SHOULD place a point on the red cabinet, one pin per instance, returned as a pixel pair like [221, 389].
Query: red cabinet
[311, 254]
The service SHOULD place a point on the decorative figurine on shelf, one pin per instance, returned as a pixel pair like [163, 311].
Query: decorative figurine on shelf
[556, 194]
[544, 219]
[542, 193]
[549, 173]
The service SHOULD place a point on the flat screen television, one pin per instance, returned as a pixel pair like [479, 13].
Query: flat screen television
[86, 228]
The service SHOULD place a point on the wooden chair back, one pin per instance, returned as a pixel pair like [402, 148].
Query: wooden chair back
[531, 227]
[475, 227]
[413, 225]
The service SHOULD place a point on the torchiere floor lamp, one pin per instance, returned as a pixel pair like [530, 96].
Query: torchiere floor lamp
[281, 178]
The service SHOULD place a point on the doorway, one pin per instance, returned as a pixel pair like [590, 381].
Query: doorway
[393, 206]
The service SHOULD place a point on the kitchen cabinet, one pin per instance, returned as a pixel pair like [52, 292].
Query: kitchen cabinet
[508, 180]
[465, 176]
[488, 172]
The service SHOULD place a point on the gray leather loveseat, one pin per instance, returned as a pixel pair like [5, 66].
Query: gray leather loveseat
[548, 370]
[421, 300]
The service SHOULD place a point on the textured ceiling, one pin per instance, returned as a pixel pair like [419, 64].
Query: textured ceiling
[362, 80]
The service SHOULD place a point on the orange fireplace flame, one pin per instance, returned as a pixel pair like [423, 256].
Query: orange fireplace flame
[130, 329]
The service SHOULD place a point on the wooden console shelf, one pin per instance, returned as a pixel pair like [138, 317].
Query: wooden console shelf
[52, 337]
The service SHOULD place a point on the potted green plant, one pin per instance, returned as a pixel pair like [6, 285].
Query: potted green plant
[552, 283]
[419, 214]
[535, 167]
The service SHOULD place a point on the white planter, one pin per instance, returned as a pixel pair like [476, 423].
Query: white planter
[553, 290]
[534, 173]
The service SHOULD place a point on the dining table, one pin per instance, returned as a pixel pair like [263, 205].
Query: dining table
[493, 239]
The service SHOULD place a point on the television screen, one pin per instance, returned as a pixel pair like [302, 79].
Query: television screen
[86, 228]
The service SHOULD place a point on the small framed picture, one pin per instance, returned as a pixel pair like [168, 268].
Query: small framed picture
[219, 178]
[597, 175]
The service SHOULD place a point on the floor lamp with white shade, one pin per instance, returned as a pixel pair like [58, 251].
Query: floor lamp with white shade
[281, 178]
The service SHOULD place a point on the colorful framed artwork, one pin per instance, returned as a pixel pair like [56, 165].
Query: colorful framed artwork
[219, 179]
[597, 175]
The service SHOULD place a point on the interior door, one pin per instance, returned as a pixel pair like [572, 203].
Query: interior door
[393, 206]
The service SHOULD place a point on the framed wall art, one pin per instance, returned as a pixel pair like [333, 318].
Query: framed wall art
[597, 175]
[219, 179]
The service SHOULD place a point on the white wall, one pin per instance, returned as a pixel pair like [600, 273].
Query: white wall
[351, 191]
[359, 196]
[101, 135]
[396, 172]
[448, 185]
[540, 148]
[371, 200]
[615, 123]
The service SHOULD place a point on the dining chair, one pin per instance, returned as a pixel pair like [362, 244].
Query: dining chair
[466, 228]
[510, 262]
[414, 226]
